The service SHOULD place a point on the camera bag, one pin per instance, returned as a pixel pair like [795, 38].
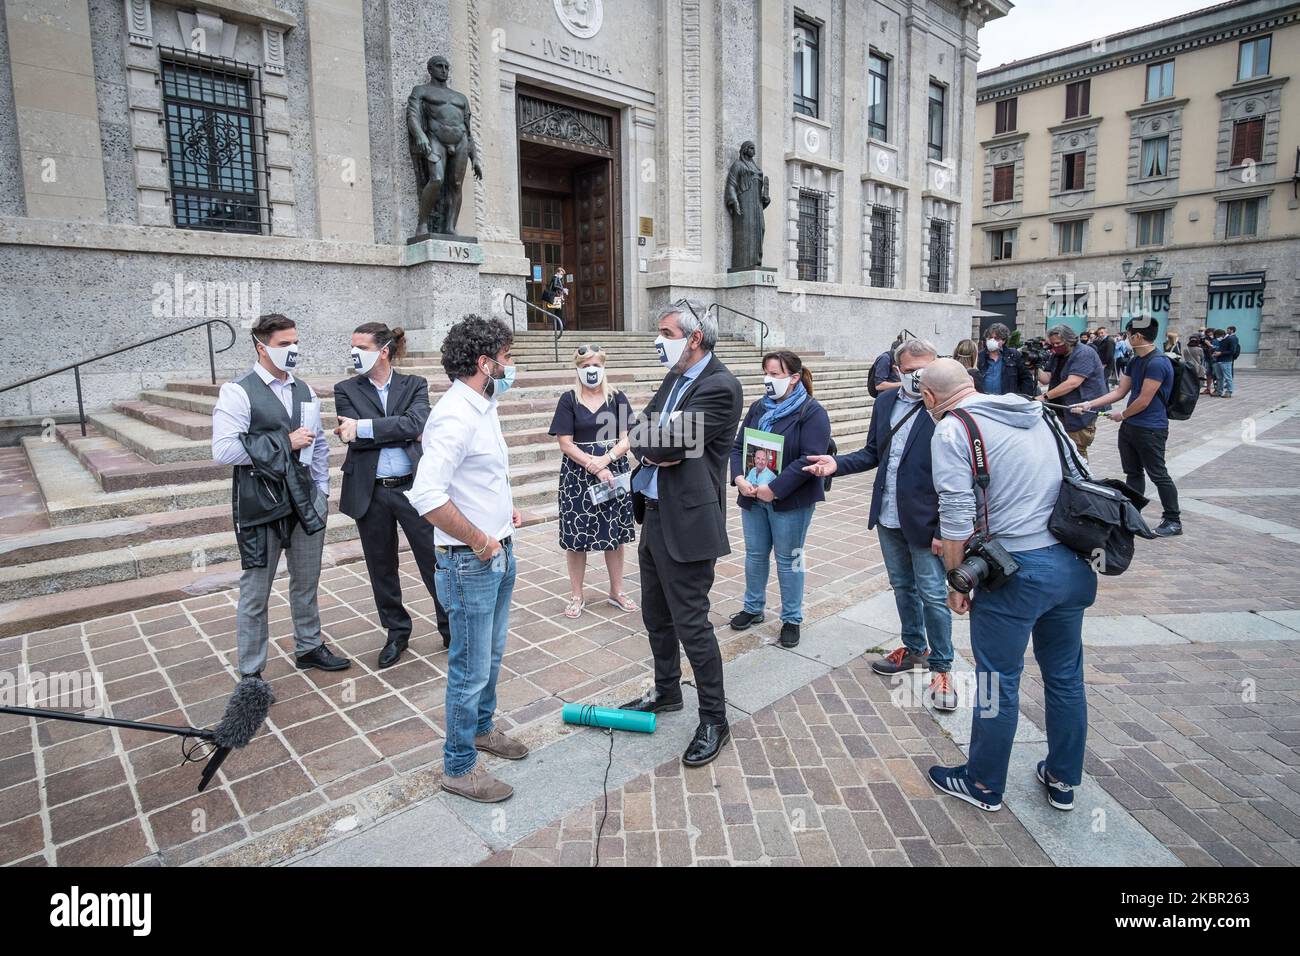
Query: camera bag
[1096, 519]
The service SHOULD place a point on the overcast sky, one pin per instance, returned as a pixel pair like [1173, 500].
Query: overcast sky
[1038, 26]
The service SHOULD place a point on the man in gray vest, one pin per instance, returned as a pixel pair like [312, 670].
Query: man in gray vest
[267, 424]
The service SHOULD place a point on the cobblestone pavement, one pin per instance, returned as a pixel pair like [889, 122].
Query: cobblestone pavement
[72, 794]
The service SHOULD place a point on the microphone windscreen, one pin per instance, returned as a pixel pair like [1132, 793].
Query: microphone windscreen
[245, 713]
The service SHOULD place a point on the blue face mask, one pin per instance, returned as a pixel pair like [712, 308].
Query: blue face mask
[499, 386]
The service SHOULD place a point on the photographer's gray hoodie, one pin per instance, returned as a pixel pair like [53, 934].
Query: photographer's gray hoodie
[1024, 471]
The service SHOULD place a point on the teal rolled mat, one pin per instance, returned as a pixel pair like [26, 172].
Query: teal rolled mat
[589, 715]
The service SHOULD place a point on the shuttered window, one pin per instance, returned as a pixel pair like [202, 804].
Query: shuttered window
[1004, 183]
[1076, 98]
[1247, 141]
[1073, 166]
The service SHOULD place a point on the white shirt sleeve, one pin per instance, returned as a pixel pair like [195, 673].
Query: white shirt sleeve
[230, 419]
[445, 444]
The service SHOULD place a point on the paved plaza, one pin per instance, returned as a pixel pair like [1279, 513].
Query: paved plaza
[1193, 687]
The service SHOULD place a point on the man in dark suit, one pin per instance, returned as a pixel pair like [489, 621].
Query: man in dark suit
[683, 443]
[381, 416]
[905, 514]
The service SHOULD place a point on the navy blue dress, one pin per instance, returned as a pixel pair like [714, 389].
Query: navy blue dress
[585, 526]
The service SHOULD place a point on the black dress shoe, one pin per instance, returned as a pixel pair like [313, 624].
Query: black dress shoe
[322, 659]
[706, 744]
[745, 620]
[392, 652]
[652, 702]
[789, 635]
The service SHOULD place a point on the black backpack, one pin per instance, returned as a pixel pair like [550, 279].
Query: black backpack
[1186, 390]
[873, 384]
[831, 449]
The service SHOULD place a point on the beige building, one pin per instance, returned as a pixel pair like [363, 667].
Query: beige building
[157, 156]
[1175, 147]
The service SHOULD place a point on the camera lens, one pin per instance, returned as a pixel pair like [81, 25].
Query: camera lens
[968, 575]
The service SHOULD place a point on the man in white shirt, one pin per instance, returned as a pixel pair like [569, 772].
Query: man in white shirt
[462, 488]
[267, 424]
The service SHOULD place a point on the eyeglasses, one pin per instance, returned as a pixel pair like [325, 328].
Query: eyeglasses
[686, 304]
[592, 349]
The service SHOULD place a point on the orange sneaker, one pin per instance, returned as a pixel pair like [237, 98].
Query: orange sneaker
[901, 660]
[941, 689]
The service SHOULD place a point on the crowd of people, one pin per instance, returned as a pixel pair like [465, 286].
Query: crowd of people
[441, 474]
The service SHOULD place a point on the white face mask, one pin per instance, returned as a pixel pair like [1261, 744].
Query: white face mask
[910, 384]
[993, 345]
[592, 376]
[284, 358]
[364, 361]
[670, 350]
[776, 388]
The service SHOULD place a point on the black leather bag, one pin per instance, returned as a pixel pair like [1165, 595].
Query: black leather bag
[1096, 519]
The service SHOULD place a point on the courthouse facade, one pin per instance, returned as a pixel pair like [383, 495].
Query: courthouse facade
[161, 162]
[1174, 148]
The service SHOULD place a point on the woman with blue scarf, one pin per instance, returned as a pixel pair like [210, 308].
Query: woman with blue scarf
[775, 516]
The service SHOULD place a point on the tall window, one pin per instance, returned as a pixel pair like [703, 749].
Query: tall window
[878, 97]
[1151, 228]
[1004, 182]
[1071, 237]
[1155, 157]
[215, 157]
[1077, 96]
[1247, 141]
[807, 64]
[884, 254]
[811, 264]
[1073, 170]
[1003, 244]
[1242, 218]
[940, 239]
[1253, 56]
[1160, 80]
[935, 127]
[1005, 121]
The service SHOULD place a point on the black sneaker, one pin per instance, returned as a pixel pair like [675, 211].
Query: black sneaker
[744, 620]
[1168, 529]
[789, 635]
[901, 660]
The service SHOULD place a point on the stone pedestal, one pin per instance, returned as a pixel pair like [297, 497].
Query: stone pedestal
[440, 284]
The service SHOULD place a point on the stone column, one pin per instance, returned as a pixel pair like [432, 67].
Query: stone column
[773, 111]
[917, 31]
[53, 75]
[966, 166]
[340, 122]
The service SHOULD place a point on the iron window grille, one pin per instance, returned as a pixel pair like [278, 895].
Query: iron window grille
[807, 66]
[811, 263]
[940, 236]
[216, 144]
[884, 246]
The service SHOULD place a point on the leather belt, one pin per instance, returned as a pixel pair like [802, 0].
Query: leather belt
[394, 482]
[462, 548]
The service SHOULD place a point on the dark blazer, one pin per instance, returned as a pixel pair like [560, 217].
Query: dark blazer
[402, 425]
[1016, 377]
[807, 431]
[692, 495]
[918, 503]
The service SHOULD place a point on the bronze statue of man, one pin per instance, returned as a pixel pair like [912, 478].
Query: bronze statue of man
[441, 140]
[747, 197]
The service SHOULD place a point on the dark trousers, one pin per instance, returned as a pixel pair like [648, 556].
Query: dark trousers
[389, 507]
[675, 609]
[1143, 450]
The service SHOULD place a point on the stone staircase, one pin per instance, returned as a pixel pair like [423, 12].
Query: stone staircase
[136, 513]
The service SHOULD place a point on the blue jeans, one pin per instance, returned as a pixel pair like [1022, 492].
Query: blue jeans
[1045, 598]
[1223, 377]
[767, 530]
[921, 594]
[476, 595]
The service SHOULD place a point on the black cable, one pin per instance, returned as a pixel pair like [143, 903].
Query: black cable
[605, 788]
[190, 751]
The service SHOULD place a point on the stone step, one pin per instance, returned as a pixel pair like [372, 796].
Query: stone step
[117, 468]
[153, 443]
[185, 424]
[114, 533]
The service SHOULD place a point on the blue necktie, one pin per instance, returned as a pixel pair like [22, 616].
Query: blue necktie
[641, 481]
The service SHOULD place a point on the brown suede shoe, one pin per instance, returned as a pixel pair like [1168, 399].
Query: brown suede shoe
[499, 745]
[478, 785]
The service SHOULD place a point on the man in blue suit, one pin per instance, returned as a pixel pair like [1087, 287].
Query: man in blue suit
[905, 512]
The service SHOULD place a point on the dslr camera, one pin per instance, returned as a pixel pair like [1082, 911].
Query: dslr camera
[1036, 352]
[986, 565]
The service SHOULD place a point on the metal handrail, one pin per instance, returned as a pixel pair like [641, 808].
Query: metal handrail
[762, 326]
[75, 367]
[508, 306]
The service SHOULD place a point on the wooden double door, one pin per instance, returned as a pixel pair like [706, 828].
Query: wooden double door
[573, 228]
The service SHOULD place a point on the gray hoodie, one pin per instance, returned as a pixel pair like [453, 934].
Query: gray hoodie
[1024, 471]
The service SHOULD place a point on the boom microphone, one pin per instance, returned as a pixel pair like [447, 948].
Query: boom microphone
[245, 713]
